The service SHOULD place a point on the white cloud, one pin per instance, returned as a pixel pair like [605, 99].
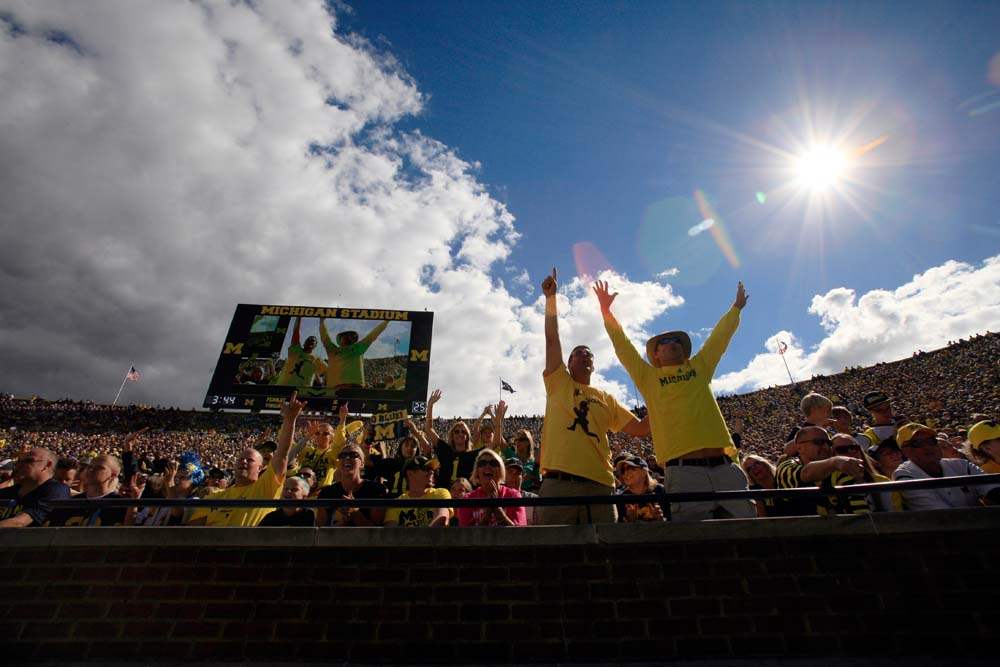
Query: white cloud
[947, 302]
[165, 161]
[668, 273]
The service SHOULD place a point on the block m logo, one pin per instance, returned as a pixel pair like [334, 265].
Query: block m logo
[420, 355]
[233, 348]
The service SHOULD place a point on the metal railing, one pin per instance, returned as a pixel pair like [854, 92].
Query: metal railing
[619, 500]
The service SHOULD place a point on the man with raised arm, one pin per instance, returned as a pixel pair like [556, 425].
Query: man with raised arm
[301, 366]
[690, 436]
[576, 457]
[255, 480]
[345, 366]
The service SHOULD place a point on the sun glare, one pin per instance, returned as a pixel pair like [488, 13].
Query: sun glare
[821, 167]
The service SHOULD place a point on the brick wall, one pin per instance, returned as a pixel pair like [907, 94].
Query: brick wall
[822, 587]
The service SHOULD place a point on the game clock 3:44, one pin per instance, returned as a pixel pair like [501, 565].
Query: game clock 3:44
[222, 401]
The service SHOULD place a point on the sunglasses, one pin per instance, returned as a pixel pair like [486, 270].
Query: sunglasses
[846, 449]
[670, 339]
[819, 442]
[482, 463]
[348, 455]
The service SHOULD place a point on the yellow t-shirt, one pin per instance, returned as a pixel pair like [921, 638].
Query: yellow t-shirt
[268, 486]
[323, 461]
[575, 431]
[300, 368]
[345, 365]
[683, 414]
[415, 516]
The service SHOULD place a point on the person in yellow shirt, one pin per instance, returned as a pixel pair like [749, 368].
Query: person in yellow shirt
[345, 364]
[326, 443]
[419, 472]
[690, 436]
[576, 456]
[301, 366]
[254, 480]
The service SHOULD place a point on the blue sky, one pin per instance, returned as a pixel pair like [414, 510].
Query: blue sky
[583, 115]
[470, 146]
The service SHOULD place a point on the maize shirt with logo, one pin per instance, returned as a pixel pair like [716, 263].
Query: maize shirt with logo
[575, 431]
[683, 414]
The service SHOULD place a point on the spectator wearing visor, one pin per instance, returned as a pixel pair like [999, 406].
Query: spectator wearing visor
[886, 455]
[633, 471]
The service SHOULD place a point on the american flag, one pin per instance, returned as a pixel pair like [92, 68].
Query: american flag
[133, 374]
[782, 347]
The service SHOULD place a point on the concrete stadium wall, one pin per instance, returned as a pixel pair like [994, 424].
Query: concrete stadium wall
[906, 584]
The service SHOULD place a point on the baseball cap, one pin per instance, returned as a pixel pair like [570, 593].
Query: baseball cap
[421, 463]
[983, 431]
[513, 462]
[882, 447]
[908, 432]
[634, 461]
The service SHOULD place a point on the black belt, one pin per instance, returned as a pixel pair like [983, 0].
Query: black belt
[709, 462]
[566, 477]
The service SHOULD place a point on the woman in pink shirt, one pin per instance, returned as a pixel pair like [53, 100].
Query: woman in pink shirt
[489, 474]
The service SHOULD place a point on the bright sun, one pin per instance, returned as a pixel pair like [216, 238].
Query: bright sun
[821, 167]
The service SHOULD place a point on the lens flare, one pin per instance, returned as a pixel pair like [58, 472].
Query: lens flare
[718, 230]
[590, 262]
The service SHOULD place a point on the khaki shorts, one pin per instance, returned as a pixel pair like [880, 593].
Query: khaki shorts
[553, 515]
[727, 477]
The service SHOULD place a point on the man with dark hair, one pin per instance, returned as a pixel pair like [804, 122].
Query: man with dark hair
[27, 503]
[67, 470]
[576, 457]
[301, 366]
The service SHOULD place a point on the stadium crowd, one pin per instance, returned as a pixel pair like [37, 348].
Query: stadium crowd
[925, 416]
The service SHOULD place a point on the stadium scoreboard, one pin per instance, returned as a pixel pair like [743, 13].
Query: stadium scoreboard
[376, 359]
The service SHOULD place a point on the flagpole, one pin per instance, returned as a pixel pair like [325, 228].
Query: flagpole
[124, 380]
[787, 370]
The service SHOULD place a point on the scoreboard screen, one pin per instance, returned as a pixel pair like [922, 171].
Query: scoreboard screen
[376, 359]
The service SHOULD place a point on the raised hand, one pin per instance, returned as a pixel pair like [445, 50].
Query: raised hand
[293, 407]
[132, 437]
[500, 410]
[435, 397]
[549, 285]
[342, 412]
[741, 296]
[604, 298]
[136, 485]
